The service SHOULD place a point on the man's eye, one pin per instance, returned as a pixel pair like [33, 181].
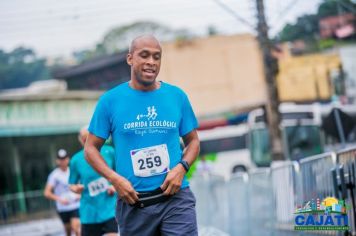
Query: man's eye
[144, 55]
[157, 56]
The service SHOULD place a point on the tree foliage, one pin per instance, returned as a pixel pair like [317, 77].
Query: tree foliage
[20, 67]
[307, 26]
[119, 38]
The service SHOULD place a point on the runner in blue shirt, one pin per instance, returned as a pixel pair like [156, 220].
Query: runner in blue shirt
[146, 119]
[97, 204]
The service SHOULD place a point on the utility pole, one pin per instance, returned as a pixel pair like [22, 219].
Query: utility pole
[270, 70]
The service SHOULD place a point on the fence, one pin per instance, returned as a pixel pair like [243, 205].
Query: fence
[263, 202]
[18, 206]
[345, 181]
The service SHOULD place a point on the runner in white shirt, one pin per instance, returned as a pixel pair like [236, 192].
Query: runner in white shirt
[57, 189]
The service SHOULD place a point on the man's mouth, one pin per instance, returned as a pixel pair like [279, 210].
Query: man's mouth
[149, 71]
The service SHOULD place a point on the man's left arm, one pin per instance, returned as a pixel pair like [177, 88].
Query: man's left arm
[174, 178]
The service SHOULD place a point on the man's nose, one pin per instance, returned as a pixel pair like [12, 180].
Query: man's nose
[150, 61]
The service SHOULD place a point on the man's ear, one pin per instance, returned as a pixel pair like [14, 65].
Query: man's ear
[129, 59]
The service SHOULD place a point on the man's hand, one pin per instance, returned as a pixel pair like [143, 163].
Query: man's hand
[111, 190]
[63, 201]
[77, 188]
[173, 181]
[126, 192]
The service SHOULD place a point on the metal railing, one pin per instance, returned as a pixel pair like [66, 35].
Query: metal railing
[238, 205]
[263, 201]
[212, 206]
[19, 206]
[346, 182]
[260, 205]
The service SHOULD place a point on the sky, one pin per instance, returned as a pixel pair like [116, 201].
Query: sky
[57, 28]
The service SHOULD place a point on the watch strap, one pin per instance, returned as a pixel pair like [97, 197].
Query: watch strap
[185, 165]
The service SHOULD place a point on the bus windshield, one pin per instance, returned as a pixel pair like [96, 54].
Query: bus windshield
[303, 141]
[299, 141]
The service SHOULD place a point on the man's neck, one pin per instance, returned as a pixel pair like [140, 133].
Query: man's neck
[138, 86]
[64, 169]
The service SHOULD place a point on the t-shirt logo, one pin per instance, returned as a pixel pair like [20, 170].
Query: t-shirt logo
[150, 123]
[151, 114]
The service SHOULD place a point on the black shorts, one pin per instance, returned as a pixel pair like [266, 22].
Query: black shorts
[99, 229]
[67, 215]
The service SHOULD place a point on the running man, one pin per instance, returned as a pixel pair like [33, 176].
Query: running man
[146, 119]
[57, 189]
[97, 204]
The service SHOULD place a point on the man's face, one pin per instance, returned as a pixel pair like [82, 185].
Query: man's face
[145, 61]
[63, 163]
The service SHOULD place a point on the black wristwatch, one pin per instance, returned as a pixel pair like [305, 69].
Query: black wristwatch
[185, 165]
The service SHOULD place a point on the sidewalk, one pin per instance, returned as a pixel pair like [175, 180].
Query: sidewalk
[53, 227]
[45, 227]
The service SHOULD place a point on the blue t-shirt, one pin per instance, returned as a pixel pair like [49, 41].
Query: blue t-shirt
[96, 205]
[146, 121]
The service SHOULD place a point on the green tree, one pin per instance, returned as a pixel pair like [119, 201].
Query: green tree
[119, 38]
[334, 7]
[307, 26]
[20, 67]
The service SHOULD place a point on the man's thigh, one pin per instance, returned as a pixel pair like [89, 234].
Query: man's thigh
[180, 215]
[137, 221]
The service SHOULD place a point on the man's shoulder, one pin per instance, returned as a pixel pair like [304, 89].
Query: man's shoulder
[77, 156]
[173, 88]
[54, 173]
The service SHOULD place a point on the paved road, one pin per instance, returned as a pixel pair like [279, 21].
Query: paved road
[53, 227]
[45, 227]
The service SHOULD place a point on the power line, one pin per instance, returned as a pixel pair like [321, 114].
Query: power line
[234, 14]
[94, 5]
[99, 18]
[50, 31]
[279, 20]
[284, 12]
[127, 9]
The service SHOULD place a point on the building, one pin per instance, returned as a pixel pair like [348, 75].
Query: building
[219, 73]
[341, 26]
[33, 126]
[310, 78]
[98, 74]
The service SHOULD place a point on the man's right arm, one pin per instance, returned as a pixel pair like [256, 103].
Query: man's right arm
[94, 158]
[48, 193]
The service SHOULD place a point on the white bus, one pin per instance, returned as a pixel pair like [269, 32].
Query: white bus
[227, 148]
[241, 147]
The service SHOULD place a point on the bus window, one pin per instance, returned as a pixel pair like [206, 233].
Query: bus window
[223, 144]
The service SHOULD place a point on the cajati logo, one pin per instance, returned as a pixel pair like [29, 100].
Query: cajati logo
[328, 214]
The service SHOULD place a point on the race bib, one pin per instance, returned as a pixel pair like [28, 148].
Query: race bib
[98, 186]
[150, 161]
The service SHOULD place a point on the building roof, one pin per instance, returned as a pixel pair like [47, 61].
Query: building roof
[90, 66]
